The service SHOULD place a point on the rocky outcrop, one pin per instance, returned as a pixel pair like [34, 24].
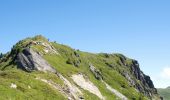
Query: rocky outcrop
[68, 90]
[87, 85]
[146, 85]
[129, 78]
[96, 72]
[74, 92]
[30, 60]
[1, 55]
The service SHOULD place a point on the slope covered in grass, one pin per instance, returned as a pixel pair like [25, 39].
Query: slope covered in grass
[119, 72]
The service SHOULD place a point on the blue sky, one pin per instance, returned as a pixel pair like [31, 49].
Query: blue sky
[139, 29]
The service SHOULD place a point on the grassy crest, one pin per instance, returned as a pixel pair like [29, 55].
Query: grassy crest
[67, 62]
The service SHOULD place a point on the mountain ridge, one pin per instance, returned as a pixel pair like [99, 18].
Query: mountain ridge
[120, 73]
[164, 92]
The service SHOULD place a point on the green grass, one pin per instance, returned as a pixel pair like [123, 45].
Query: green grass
[111, 75]
[110, 66]
[25, 80]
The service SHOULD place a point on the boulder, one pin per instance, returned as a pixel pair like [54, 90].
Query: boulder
[30, 60]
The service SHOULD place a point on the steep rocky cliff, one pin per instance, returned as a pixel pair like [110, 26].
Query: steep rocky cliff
[48, 70]
[145, 85]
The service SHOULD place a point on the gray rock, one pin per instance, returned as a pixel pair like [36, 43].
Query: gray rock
[76, 54]
[96, 72]
[30, 60]
[129, 78]
[146, 86]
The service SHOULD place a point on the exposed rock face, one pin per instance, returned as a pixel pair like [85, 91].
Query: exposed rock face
[1, 55]
[87, 85]
[29, 60]
[69, 90]
[117, 93]
[73, 91]
[96, 72]
[129, 78]
[146, 85]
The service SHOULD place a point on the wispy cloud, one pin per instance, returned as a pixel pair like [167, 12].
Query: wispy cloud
[165, 73]
[162, 79]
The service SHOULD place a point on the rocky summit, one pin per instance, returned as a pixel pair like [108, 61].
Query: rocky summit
[37, 69]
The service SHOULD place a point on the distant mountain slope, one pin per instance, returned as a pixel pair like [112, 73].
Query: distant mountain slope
[165, 93]
[36, 68]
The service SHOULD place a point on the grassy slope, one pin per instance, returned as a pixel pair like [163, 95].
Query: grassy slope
[111, 75]
[165, 93]
[41, 90]
[23, 81]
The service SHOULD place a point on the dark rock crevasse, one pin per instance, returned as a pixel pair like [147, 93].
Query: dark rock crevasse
[30, 60]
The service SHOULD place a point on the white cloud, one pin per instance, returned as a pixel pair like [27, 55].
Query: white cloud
[165, 73]
[162, 78]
